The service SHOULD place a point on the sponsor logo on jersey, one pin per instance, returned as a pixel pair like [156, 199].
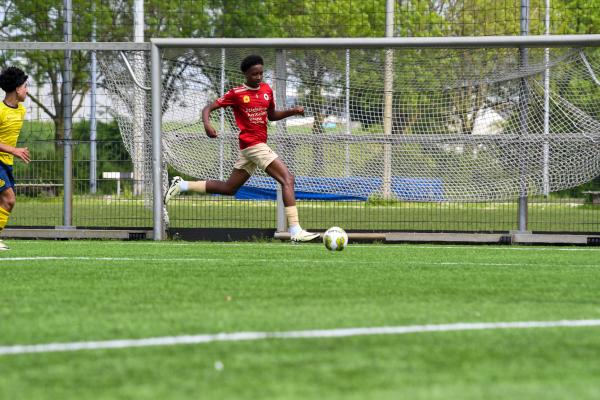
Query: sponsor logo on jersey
[2, 183]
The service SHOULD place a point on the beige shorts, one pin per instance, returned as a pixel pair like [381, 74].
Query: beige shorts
[260, 155]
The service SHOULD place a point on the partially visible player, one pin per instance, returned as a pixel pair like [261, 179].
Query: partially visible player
[252, 104]
[12, 114]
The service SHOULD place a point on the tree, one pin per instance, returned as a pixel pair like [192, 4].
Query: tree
[42, 20]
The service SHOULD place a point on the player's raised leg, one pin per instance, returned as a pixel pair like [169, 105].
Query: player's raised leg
[280, 172]
[229, 187]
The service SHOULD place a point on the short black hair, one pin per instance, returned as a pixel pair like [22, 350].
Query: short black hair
[250, 61]
[11, 78]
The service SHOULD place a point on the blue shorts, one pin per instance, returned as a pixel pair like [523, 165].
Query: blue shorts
[7, 180]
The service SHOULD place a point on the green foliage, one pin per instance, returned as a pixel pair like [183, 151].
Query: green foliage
[48, 157]
[42, 20]
[593, 185]
[575, 16]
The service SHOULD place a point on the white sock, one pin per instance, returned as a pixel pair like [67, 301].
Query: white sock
[295, 229]
[183, 186]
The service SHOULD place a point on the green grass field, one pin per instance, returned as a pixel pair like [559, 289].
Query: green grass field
[82, 291]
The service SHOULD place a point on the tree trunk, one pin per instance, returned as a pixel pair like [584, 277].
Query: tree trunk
[59, 133]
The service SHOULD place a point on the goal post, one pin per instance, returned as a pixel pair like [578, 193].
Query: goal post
[579, 126]
[157, 167]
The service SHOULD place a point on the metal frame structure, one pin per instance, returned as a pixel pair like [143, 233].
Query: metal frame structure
[66, 230]
[158, 44]
[155, 46]
[456, 42]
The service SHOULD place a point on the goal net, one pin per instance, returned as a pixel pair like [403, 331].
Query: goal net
[432, 125]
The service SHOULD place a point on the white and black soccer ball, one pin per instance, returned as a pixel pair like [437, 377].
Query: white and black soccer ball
[335, 239]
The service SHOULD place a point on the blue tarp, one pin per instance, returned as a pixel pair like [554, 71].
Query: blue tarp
[346, 188]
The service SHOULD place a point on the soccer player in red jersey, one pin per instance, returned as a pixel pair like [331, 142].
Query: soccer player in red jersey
[253, 105]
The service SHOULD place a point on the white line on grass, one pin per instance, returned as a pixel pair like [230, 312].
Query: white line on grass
[314, 261]
[306, 334]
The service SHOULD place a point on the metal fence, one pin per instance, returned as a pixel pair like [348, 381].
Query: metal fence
[546, 215]
[103, 201]
[112, 20]
[107, 199]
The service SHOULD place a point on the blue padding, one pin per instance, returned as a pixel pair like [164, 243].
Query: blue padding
[253, 193]
[418, 189]
[347, 188]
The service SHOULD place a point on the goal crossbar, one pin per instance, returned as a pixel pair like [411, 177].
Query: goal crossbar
[288, 43]
[386, 42]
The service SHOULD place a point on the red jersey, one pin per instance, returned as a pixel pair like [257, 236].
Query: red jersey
[250, 110]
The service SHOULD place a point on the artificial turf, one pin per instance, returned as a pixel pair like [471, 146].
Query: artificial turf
[74, 291]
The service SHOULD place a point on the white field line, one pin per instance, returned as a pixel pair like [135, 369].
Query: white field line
[306, 334]
[396, 246]
[276, 261]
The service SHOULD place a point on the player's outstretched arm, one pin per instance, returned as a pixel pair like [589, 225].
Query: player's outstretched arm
[20, 152]
[208, 128]
[275, 115]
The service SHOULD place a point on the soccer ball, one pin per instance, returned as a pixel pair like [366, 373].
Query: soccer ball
[335, 239]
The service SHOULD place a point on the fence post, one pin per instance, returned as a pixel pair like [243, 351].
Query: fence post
[67, 89]
[347, 110]
[157, 187]
[523, 118]
[388, 93]
[280, 98]
[93, 122]
[546, 148]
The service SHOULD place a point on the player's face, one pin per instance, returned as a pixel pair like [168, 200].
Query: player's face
[22, 92]
[254, 75]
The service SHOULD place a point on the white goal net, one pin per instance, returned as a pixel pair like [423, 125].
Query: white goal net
[465, 125]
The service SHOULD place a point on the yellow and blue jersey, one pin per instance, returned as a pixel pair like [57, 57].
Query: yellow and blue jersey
[11, 121]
